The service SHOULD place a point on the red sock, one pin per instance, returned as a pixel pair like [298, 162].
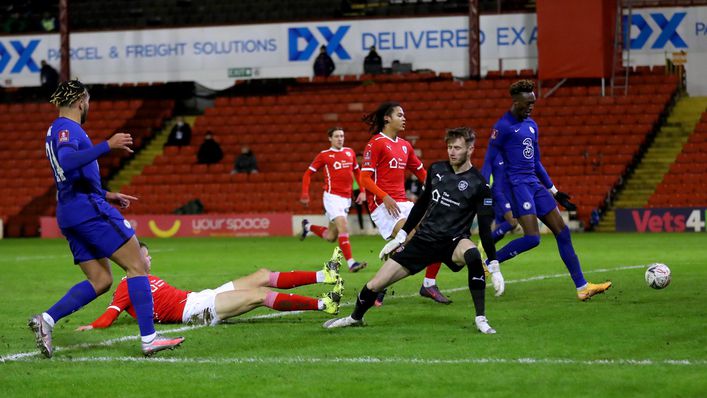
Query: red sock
[290, 302]
[288, 280]
[345, 246]
[433, 270]
[318, 230]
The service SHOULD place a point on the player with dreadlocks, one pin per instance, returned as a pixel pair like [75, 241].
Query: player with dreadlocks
[95, 230]
[385, 160]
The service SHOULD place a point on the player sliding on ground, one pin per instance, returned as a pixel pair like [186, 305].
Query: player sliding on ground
[455, 192]
[233, 298]
[530, 191]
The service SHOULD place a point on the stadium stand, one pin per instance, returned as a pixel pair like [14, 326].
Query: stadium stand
[589, 141]
[686, 182]
[27, 187]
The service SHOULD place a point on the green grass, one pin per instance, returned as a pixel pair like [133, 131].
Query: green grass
[548, 343]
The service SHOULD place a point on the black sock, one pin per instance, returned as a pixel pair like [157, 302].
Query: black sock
[477, 282]
[364, 301]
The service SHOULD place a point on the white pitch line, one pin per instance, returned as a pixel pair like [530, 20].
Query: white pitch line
[19, 356]
[395, 361]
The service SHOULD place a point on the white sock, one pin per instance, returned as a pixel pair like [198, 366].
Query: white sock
[48, 319]
[320, 276]
[427, 282]
[149, 337]
[351, 262]
[320, 305]
[582, 287]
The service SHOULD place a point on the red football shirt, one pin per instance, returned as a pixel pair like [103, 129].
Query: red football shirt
[388, 159]
[168, 301]
[338, 165]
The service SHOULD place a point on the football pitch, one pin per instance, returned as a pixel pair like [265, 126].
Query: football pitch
[632, 341]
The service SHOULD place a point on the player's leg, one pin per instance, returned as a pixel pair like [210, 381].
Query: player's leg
[237, 302]
[341, 224]
[98, 281]
[389, 273]
[585, 290]
[129, 257]
[467, 253]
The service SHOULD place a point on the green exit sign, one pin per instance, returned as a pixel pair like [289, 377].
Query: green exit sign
[240, 72]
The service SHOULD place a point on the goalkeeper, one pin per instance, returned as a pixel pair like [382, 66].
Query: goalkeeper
[455, 192]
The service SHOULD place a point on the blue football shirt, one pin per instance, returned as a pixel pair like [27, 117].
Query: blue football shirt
[73, 159]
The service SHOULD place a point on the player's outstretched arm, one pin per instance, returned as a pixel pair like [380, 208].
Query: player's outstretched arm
[119, 199]
[103, 321]
[389, 203]
[121, 141]
[306, 179]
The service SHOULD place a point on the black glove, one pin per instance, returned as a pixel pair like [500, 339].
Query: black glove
[564, 199]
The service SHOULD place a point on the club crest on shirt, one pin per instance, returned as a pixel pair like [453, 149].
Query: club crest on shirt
[463, 185]
[64, 136]
[405, 149]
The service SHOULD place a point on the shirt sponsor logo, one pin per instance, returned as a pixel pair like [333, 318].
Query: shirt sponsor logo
[64, 136]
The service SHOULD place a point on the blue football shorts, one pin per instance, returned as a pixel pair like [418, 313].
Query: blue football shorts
[501, 205]
[98, 237]
[531, 198]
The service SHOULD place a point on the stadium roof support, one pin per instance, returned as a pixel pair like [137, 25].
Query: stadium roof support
[474, 46]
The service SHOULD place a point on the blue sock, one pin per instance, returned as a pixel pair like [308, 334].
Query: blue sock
[501, 230]
[564, 244]
[516, 247]
[79, 295]
[141, 299]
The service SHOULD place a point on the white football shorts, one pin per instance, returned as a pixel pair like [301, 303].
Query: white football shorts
[200, 308]
[336, 206]
[385, 222]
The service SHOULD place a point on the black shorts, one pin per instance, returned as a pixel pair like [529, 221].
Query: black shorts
[418, 254]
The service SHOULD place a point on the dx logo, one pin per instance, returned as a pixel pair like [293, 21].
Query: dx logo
[668, 30]
[303, 37]
[24, 53]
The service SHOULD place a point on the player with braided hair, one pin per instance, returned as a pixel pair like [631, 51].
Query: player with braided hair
[530, 190]
[385, 160]
[95, 230]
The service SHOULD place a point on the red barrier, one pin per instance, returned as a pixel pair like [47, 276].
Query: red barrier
[167, 226]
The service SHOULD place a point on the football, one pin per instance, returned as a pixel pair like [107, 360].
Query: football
[658, 276]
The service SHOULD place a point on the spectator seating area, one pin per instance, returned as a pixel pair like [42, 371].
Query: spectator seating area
[27, 188]
[686, 182]
[588, 141]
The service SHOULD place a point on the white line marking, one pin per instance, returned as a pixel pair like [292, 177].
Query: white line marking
[19, 356]
[395, 361]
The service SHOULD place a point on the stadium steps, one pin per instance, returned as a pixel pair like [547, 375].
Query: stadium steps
[145, 157]
[665, 148]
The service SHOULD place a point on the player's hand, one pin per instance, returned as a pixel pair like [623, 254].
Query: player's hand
[304, 200]
[564, 199]
[119, 199]
[84, 328]
[392, 206]
[121, 141]
[393, 245]
[361, 198]
[499, 284]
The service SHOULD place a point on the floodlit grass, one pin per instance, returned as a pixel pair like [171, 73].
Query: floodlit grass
[623, 343]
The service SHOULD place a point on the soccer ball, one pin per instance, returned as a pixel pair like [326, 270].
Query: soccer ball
[658, 276]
